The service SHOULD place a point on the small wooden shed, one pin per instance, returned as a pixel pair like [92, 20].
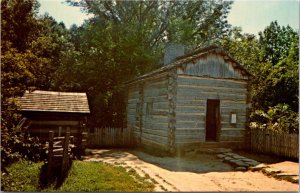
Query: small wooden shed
[56, 111]
[195, 100]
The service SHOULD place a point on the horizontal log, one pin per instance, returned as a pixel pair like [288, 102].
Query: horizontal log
[158, 132]
[150, 119]
[198, 80]
[189, 140]
[190, 117]
[189, 114]
[190, 131]
[238, 111]
[160, 105]
[209, 95]
[150, 124]
[201, 102]
[155, 92]
[212, 86]
[155, 138]
[194, 124]
[190, 109]
[156, 98]
[59, 123]
[133, 100]
[154, 145]
[212, 89]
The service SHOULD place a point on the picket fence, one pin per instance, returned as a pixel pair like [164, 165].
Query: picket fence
[110, 137]
[274, 142]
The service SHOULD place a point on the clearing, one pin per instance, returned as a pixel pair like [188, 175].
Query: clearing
[194, 172]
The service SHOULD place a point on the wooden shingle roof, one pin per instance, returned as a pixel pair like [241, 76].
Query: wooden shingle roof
[50, 101]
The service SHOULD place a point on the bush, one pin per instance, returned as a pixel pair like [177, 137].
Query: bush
[279, 117]
[17, 145]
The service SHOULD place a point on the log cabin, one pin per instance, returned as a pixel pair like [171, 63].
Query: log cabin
[55, 111]
[194, 100]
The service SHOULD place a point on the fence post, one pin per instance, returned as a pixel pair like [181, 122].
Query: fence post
[50, 154]
[65, 160]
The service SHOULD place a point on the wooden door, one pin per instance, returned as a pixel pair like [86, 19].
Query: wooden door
[212, 119]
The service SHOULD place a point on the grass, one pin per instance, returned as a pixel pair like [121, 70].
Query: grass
[83, 177]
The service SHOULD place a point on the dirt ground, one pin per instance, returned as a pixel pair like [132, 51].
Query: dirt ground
[194, 172]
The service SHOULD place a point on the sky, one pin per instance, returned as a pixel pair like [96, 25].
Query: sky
[252, 15]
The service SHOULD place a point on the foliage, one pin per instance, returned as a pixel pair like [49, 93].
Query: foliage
[125, 39]
[273, 61]
[275, 42]
[193, 23]
[279, 118]
[277, 83]
[23, 67]
[83, 177]
[244, 48]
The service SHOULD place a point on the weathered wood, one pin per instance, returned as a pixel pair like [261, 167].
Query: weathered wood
[212, 89]
[151, 124]
[209, 95]
[50, 154]
[155, 139]
[212, 66]
[191, 109]
[111, 137]
[193, 124]
[275, 143]
[190, 117]
[208, 81]
[155, 131]
[69, 123]
[65, 159]
[232, 138]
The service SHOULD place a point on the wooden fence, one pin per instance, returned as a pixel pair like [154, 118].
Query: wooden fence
[110, 137]
[275, 142]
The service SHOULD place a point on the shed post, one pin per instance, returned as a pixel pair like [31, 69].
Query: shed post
[50, 154]
[65, 157]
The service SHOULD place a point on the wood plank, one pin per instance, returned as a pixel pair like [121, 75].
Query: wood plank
[212, 66]
[194, 124]
[187, 79]
[212, 89]
[208, 95]
[62, 123]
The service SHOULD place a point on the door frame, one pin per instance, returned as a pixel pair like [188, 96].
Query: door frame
[217, 118]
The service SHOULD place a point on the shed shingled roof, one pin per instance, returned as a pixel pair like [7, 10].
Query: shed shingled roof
[50, 101]
[193, 56]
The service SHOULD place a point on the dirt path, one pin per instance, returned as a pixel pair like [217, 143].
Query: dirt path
[201, 172]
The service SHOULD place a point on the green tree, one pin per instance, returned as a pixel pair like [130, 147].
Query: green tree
[30, 51]
[275, 42]
[244, 48]
[125, 39]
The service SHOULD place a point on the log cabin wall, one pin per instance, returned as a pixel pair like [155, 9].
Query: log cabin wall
[132, 111]
[43, 122]
[148, 111]
[168, 107]
[210, 77]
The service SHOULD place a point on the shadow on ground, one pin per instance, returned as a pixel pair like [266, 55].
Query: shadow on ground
[196, 163]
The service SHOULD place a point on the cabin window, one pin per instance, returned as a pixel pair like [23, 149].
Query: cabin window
[149, 108]
[233, 118]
